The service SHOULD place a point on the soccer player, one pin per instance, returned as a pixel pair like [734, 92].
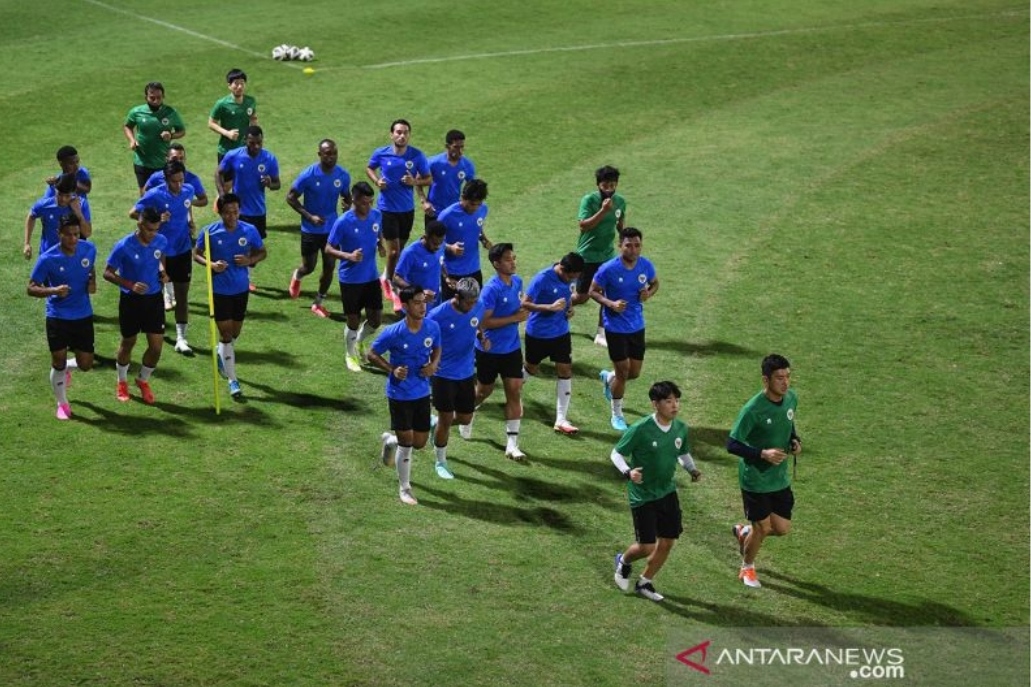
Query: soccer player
[322, 186]
[464, 221]
[602, 214]
[232, 114]
[647, 456]
[173, 200]
[549, 299]
[762, 437]
[136, 266]
[68, 159]
[50, 211]
[177, 152]
[247, 171]
[622, 285]
[396, 169]
[150, 128]
[420, 263]
[449, 170]
[503, 357]
[235, 246]
[454, 385]
[413, 347]
[355, 240]
[65, 275]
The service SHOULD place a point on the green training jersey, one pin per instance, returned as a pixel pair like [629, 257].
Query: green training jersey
[599, 244]
[147, 126]
[230, 114]
[764, 424]
[645, 445]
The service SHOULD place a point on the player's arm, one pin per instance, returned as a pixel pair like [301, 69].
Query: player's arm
[111, 275]
[529, 305]
[85, 226]
[224, 179]
[30, 224]
[650, 290]
[753, 455]
[130, 136]
[293, 199]
[687, 461]
[257, 255]
[597, 294]
[588, 222]
[635, 475]
[38, 290]
[375, 178]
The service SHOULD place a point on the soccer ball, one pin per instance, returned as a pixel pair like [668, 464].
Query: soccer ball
[281, 52]
[306, 54]
[294, 52]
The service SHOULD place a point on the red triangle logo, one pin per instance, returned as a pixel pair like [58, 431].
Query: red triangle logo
[703, 649]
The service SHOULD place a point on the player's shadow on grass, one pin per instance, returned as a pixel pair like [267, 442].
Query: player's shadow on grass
[497, 513]
[532, 489]
[267, 316]
[868, 609]
[283, 229]
[701, 348]
[105, 319]
[716, 614]
[301, 399]
[110, 421]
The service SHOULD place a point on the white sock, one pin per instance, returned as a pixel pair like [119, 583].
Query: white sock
[617, 407]
[404, 466]
[350, 340]
[180, 331]
[563, 392]
[57, 384]
[441, 453]
[365, 331]
[169, 290]
[72, 363]
[228, 353]
[146, 372]
[526, 375]
[123, 372]
[512, 430]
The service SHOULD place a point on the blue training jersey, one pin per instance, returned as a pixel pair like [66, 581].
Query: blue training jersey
[448, 179]
[348, 234]
[457, 339]
[177, 229]
[397, 197]
[247, 172]
[82, 176]
[54, 268]
[620, 283]
[413, 349]
[137, 262]
[464, 228]
[49, 214]
[419, 267]
[225, 245]
[545, 288]
[502, 300]
[320, 191]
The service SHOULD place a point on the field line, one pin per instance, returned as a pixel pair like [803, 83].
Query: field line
[686, 39]
[176, 27]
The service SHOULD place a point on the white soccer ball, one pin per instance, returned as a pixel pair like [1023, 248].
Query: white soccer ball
[280, 52]
[294, 52]
[306, 54]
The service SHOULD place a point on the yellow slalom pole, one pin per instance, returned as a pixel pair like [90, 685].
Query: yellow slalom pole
[211, 323]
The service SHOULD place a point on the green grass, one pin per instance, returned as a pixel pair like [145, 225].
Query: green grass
[844, 184]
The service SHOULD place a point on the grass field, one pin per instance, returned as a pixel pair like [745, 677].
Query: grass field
[843, 183]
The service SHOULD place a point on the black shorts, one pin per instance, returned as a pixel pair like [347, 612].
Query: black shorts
[624, 346]
[583, 284]
[659, 518]
[76, 335]
[138, 314]
[447, 293]
[358, 297]
[232, 308]
[143, 174]
[312, 244]
[454, 395]
[489, 366]
[559, 349]
[410, 415]
[398, 225]
[179, 268]
[259, 223]
[758, 505]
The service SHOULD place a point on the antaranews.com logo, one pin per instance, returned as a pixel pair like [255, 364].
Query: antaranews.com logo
[860, 662]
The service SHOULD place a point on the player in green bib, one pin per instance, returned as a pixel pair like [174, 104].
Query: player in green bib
[602, 215]
[647, 456]
[233, 114]
[762, 437]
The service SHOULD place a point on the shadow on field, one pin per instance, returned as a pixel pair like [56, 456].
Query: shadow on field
[284, 228]
[301, 399]
[868, 609]
[497, 513]
[701, 348]
[533, 489]
[110, 421]
[717, 614]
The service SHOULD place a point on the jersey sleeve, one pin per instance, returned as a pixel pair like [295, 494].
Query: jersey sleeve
[586, 209]
[625, 445]
[743, 425]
